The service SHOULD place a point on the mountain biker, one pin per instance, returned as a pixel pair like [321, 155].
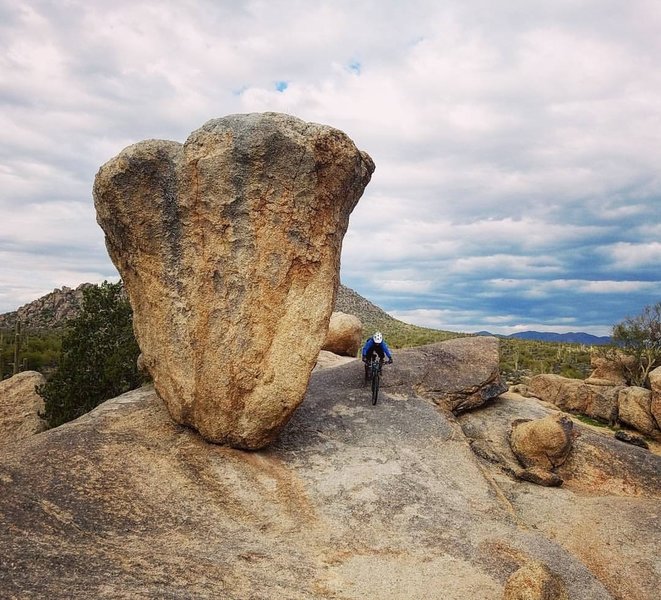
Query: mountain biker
[375, 345]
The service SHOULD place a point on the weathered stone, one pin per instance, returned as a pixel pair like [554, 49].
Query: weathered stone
[229, 248]
[635, 409]
[20, 406]
[631, 438]
[612, 368]
[574, 395]
[539, 476]
[535, 581]
[458, 374]
[655, 385]
[543, 443]
[345, 334]
[351, 501]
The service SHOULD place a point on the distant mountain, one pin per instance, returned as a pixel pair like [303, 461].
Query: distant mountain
[574, 337]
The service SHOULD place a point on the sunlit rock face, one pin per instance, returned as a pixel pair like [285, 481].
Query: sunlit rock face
[229, 247]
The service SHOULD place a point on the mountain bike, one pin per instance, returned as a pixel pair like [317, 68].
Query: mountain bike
[374, 373]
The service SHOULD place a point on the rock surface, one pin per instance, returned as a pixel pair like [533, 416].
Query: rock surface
[352, 502]
[573, 395]
[345, 335]
[606, 512]
[655, 385]
[612, 369]
[20, 406]
[459, 374]
[635, 409]
[535, 581]
[229, 248]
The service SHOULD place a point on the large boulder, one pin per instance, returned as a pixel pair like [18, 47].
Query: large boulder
[345, 334]
[459, 374]
[655, 385]
[635, 409]
[229, 248]
[20, 407]
[575, 395]
[543, 443]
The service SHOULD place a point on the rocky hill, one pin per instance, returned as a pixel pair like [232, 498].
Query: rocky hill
[55, 309]
[50, 311]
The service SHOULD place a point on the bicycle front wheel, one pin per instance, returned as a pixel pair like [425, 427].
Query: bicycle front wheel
[375, 387]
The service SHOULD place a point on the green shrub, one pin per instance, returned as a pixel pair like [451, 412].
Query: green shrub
[98, 360]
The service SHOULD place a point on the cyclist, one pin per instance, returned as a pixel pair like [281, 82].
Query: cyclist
[375, 345]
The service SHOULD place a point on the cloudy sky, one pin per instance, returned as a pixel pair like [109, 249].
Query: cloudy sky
[517, 143]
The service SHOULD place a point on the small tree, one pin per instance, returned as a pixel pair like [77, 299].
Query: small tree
[640, 338]
[99, 355]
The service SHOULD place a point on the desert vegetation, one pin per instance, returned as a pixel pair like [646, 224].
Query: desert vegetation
[98, 358]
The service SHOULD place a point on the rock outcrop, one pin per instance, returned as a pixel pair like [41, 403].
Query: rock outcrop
[52, 310]
[229, 248]
[459, 374]
[635, 410]
[604, 482]
[345, 335]
[20, 407]
[600, 399]
[575, 395]
[611, 369]
[351, 501]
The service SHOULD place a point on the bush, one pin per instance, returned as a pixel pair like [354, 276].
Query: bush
[99, 354]
[640, 338]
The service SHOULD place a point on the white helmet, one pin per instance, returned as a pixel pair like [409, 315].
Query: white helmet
[377, 337]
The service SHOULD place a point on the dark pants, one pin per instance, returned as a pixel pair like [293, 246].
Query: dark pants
[368, 359]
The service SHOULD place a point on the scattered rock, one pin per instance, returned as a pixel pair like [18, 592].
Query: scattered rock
[345, 335]
[535, 581]
[635, 409]
[229, 248]
[20, 406]
[631, 438]
[543, 443]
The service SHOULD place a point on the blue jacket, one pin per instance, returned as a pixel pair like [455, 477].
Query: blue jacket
[370, 344]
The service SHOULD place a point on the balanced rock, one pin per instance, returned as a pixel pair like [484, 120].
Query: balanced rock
[535, 581]
[345, 334]
[21, 406]
[229, 248]
[544, 443]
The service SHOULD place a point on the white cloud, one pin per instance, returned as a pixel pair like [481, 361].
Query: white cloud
[626, 255]
[512, 144]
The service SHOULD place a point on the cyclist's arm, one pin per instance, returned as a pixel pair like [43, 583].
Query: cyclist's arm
[386, 350]
[367, 347]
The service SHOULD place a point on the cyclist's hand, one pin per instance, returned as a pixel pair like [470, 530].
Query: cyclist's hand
[364, 360]
[390, 361]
